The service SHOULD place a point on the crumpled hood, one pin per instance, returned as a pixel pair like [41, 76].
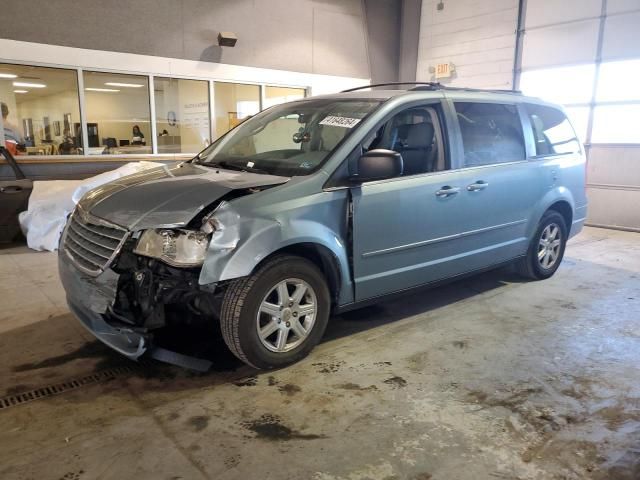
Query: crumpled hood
[167, 196]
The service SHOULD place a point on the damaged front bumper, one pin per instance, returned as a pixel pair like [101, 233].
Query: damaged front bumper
[91, 298]
[125, 341]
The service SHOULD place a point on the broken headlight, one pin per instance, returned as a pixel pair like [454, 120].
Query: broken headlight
[180, 248]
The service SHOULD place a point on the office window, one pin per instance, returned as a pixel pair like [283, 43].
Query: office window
[277, 95]
[618, 81]
[491, 133]
[39, 108]
[616, 124]
[182, 115]
[560, 85]
[233, 103]
[552, 131]
[118, 118]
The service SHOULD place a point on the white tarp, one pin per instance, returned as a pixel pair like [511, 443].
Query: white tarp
[52, 200]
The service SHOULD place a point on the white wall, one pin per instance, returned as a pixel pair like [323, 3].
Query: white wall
[117, 113]
[52, 106]
[189, 100]
[227, 96]
[477, 36]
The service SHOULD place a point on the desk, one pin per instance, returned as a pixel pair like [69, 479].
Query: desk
[44, 149]
[130, 149]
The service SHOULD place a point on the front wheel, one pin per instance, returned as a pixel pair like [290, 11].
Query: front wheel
[276, 316]
[546, 249]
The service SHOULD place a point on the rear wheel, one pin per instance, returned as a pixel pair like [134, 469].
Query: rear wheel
[276, 316]
[546, 249]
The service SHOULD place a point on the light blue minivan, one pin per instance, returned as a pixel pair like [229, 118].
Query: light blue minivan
[324, 205]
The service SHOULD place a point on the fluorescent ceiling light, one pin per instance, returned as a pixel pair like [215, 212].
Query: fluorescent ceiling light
[101, 89]
[118, 84]
[20, 91]
[7, 75]
[27, 84]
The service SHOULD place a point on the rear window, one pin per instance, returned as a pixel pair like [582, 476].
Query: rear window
[491, 133]
[552, 132]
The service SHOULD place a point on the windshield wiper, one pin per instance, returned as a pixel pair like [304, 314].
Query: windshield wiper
[234, 166]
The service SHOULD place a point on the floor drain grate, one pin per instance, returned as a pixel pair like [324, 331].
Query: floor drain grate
[58, 388]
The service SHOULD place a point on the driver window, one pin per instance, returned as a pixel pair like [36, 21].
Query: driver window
[415, 134]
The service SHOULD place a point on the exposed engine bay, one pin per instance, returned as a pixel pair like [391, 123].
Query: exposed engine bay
[152, 294]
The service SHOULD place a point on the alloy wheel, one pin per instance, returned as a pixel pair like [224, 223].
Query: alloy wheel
[286, 315]
[549, 246]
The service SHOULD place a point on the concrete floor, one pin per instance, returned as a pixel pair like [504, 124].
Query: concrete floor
[485, 378]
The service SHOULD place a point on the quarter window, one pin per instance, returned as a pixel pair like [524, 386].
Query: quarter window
[552, 132]
[491, 133]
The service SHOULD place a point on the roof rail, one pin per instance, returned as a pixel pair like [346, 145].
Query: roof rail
[469, 89]
[423, 85]
[431, 86]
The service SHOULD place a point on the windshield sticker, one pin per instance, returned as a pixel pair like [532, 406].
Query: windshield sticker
[345, 122]
[250, 164]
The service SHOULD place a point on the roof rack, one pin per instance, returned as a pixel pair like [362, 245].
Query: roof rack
[423, 85]
[431, 86]
[469, 89]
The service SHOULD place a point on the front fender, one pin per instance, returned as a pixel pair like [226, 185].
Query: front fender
[242, 243]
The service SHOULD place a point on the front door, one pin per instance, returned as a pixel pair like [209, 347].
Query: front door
[425, 227]
[14, 198]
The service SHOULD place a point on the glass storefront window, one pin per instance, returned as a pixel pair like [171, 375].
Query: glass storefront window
[277, 95]
[182, 115]
[233, 103]
[39, 108]
[117, 110]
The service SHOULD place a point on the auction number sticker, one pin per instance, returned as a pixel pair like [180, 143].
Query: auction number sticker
[345, 122]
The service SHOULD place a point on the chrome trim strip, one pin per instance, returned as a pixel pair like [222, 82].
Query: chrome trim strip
[442, 239]
[440, 260]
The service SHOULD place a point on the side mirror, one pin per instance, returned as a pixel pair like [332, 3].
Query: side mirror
[378, 164]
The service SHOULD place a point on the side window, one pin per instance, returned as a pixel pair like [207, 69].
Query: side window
[491, 133]
[415, 134]
[552, 132]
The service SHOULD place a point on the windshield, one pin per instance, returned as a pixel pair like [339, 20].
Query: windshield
[290, 139]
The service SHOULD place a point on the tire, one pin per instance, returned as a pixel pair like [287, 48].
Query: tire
[531, 266]
[249, 303]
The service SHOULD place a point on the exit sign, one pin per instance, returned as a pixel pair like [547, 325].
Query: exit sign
[443, 70]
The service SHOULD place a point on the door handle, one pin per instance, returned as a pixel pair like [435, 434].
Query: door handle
[11, 189]
[479, 185]
[447, 191]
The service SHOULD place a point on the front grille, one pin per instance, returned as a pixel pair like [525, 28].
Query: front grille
[92, 245]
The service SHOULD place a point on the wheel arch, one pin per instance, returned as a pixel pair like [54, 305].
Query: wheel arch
[558, 199]
[321, 257]
[563, 208]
